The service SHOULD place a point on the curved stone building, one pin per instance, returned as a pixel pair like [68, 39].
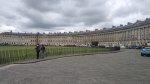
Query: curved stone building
[132, 34]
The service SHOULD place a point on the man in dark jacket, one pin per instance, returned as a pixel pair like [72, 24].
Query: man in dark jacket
[37, 50]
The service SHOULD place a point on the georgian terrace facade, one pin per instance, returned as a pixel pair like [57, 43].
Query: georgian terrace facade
[132, 34]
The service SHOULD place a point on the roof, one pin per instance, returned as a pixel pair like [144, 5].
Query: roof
[104, 30]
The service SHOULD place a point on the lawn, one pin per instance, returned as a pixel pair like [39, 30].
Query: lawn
[16, 47]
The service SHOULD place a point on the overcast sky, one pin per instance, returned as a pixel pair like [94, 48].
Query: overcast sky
[69, 15]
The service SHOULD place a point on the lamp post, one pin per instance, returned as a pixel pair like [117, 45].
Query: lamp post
[37, 36]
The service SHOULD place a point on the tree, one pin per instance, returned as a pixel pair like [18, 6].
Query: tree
[95, 43]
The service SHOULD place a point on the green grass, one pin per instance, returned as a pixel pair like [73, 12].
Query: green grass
[16, 53]
[16, 47]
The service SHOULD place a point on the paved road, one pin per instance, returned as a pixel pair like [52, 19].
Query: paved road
[126, 67]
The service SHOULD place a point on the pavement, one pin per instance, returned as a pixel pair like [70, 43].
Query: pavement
[126, 67]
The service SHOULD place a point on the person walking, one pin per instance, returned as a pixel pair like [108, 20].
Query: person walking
[37, 51]
[43, 49]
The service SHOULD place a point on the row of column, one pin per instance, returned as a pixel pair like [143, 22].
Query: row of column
[128, 37]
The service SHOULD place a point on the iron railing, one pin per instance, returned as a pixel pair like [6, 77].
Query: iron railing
[9, 56]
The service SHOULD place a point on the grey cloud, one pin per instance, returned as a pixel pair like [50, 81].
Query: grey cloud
[43, 5]
[58, 14]
[89, 14]
[8, 15]
[8, 19]
[124, 11]
[143, 6]
[36, 20]
[90, 3]
[94, 15]
[134, 7]
[71, 16]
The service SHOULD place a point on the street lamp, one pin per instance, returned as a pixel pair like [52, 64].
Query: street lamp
[37, 35]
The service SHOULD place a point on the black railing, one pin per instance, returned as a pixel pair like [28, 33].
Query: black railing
[9, 56]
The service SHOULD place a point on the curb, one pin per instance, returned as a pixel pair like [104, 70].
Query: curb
[62, 56]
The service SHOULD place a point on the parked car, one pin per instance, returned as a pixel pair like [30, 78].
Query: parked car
[106, 46]
[138, 47]
[145, 51]
[133, 47]
[122, 46]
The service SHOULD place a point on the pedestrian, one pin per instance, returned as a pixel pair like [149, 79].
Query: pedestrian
[43, 49]
[37, 51]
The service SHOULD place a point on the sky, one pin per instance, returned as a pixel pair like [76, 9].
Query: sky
[69, 15]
